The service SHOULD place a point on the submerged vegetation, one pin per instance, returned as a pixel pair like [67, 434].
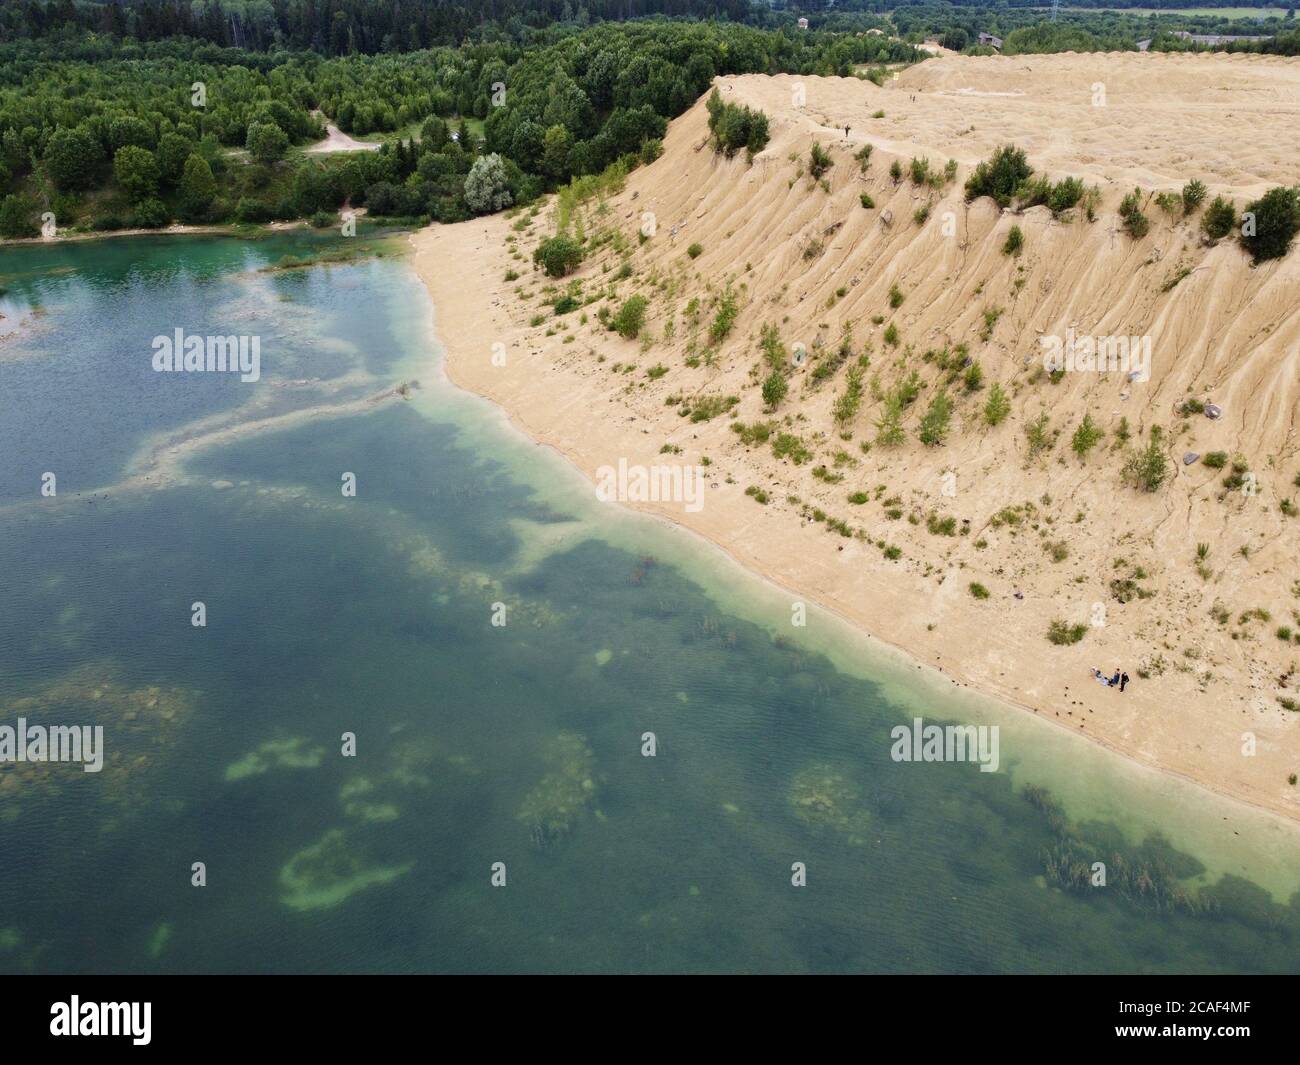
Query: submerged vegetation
[552, 808]
[1151, 874]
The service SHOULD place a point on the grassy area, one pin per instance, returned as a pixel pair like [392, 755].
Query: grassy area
[411, 132]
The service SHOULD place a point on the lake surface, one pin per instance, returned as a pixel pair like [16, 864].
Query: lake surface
[479, 743]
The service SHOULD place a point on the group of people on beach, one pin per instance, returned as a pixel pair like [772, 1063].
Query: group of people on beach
[1119, 680]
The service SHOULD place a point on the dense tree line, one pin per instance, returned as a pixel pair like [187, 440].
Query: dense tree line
[340, 27]
[348, 27]
[107, 133]
[1026, 31]
[815, 8]
[1265, 6]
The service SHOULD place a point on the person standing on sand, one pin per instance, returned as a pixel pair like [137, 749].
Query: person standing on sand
[1123, 681]
[846, 132]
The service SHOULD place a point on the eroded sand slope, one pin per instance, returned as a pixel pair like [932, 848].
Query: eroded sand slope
[811, 262]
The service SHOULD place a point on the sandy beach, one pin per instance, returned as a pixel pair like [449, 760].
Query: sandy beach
[1050, 537]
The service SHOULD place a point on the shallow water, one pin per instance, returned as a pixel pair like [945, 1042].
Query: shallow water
[475, 743]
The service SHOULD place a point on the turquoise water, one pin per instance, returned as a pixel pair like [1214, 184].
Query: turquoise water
[475, 743]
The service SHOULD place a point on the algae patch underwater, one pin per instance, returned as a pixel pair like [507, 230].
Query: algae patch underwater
[329, 872]
[824, 798]
[560, 797]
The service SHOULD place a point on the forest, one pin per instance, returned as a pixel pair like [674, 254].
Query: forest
[140, 113]
[106, 134]
[349, 27]
[341, 27]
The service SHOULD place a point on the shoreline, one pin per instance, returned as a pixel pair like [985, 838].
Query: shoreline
[239, 231]
[471, 310]
[109, 234]
[1231, 835]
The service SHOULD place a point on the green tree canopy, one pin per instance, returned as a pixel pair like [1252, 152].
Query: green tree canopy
[266, 142]
[173, 152]
[73, 159]
[136, 171]
[487, 186]
[198, 189]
